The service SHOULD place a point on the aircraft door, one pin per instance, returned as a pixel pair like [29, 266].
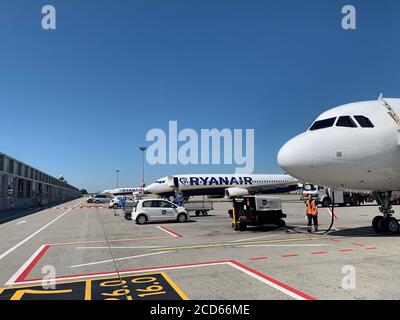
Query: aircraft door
[176, 182]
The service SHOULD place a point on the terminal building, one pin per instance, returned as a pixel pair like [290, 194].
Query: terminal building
[22, 186]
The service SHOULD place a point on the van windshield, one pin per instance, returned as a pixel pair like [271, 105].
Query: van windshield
[322, 124]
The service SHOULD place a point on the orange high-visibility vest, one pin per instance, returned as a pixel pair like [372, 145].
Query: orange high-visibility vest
[311, 208]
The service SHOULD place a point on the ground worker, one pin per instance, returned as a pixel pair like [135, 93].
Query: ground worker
[312, 213]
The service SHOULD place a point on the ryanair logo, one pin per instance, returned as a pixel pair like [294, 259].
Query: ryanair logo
[216, 181]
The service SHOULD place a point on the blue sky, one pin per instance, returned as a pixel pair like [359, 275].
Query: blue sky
[79, 100]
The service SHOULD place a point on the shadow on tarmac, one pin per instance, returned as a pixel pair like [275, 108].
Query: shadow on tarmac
[360, 232]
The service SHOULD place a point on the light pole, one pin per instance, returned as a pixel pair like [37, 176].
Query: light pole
[117, 171]
[143, 149]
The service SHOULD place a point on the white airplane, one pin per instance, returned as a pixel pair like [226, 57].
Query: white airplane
[123, 191]
[355, 146]
[229, 185]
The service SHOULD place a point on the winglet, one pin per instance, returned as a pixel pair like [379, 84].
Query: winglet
[380, 97]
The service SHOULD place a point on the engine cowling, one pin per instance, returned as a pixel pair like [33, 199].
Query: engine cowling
[236, 192]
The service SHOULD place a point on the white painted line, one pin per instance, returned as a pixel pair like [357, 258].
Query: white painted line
[20, 222]
[285, 245]
[3, 255]
[23, 267]
[269, 236]
[269, 283]
[97, 275]
[119, 259]
[137, 247]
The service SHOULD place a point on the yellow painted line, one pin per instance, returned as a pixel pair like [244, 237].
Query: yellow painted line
[231, 244]
[2, 290]
[88, 290]
[173, 285]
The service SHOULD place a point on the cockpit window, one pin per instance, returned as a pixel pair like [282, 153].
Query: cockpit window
[346, 121]
[364, 121]
[322, 124]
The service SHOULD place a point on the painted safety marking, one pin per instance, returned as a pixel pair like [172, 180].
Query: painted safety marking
[292, 292]
[118, 259]
[150, 286]
[105, 241]
[358, 244]
[231, 244]
[3, 255]
[27, 267]
[317, 253]
[259, 258]
[332, 213]
[170, 232]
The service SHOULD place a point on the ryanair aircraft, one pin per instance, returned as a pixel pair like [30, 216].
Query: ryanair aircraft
[229, 185]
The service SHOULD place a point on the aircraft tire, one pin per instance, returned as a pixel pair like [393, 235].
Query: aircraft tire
[391, 225]
[376, 222]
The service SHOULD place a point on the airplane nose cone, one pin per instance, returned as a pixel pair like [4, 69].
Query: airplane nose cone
[151, 188]
[296, 158]
[286, 157]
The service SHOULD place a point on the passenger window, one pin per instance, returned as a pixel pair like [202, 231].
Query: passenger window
[156, 204]
[147, 204]
[364, 122]
[346, 121]
[165, 204]
[322, 124]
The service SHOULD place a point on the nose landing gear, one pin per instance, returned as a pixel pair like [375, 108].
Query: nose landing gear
[386, 224]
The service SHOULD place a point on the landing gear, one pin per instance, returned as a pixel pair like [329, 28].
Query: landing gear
[386, 224]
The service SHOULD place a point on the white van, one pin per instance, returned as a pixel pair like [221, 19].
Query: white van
[157, 210]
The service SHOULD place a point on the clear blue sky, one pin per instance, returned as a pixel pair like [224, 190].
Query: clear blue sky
[79, 100]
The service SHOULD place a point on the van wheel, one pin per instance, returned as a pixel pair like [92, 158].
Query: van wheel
[182, 218]
[326, 202]
[142, 219]
[97, 202]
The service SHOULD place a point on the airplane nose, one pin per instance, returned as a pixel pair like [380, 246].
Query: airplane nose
[296, 157]
[151, 188]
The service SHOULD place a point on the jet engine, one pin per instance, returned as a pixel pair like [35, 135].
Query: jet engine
[236, 192]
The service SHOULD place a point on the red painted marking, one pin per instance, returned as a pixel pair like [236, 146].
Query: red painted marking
[332, 213]
[319, 252]
[335, 240]
[260, 258]
[371, 248]
[22, 276]
[293, 290]
[346, 250]
[177, 235]
[358, 244]
[135, 270]
[290, 255]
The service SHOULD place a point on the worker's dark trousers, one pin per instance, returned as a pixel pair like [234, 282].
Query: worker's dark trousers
[312, 219]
